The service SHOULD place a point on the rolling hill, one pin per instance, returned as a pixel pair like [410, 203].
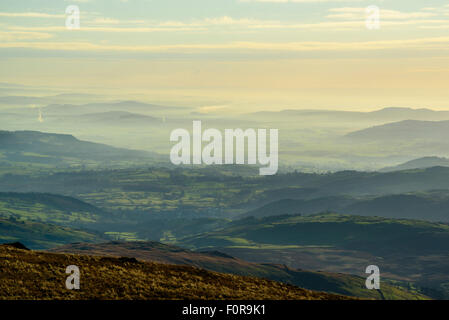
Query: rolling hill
[49, 208]
[34, 275]
[374, 183]
[39, 148]
[42, 221]
[429, 206]
[374, 234]
[300, 206]
[37, 235]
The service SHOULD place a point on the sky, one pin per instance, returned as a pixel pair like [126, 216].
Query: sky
[231, 56]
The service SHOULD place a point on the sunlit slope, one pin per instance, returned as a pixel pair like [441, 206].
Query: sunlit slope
[50, 208]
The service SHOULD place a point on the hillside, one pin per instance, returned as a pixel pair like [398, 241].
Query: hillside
[374, 234]
[49, 208]
[374, 183]
[39, 276]
[429, 206]
[39, 148]
[300, 206]
[37, 235]
[220, 262]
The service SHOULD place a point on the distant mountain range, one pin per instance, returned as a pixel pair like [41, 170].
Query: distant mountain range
[22, 100]
[421, 163]
[58, 103]
[306, 136]
[390, 114]
[119, 117]
[406, 139]
[100, 107]
[405, 130]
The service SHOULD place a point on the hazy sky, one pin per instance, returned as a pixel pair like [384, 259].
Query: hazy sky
[234, 55]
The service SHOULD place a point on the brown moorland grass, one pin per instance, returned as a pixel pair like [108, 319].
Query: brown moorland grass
[34, 275]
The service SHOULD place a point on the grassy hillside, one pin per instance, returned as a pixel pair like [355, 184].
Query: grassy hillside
[73, 213]
[48, 208]
[430, 206]
[38, 275]
[300, 206]
[375, 234]
[38, 235]
[217, 261]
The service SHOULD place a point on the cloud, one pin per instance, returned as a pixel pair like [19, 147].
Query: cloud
[31, 15]
[344, 25]
[441, 43]
[106, 21]
[214, 21]
[114, 29]
[101, 24]
[212, 109]
[349, 13]
[22, 35]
